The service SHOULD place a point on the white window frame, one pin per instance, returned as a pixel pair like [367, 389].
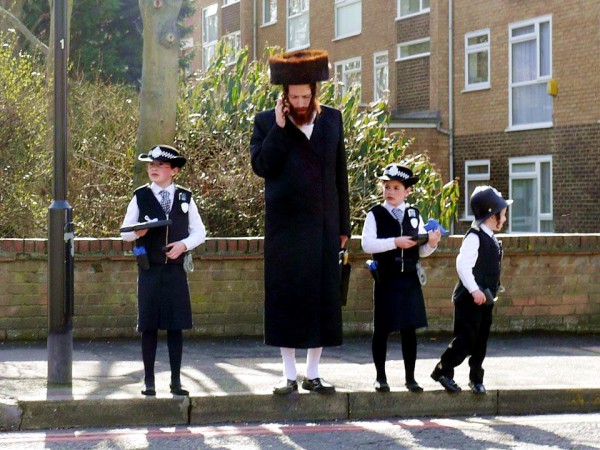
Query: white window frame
[537, 176]
[266, 5]
[376, 66]
[235, 36]
[408, 44]
[341, 73]
[209, 44]
[474, 178]
[474, 49]
[229, 2]
[422, 10]
[338, 4]
[540, 79]
[304, 12]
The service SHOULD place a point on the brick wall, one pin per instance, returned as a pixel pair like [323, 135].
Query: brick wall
[413, 76]
[551, 284]
[230, 16]
[575, 168]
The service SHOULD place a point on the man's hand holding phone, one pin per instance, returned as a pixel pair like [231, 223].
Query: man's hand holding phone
[281, 110]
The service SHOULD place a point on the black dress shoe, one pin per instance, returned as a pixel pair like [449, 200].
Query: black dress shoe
[382, 386]
[413, 386]
[477, 388]
[449, 384]
[285, 387]
[149, 391]
[318, 385]
[177, 390]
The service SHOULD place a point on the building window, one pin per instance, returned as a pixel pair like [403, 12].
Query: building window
[531, 189]
[408, 8]
[413, 49]
[298, 32]
[230, 2]
[210, 34]
[348, 73]
[477, 60]
[530, 68]
[477, 173]
[380, 76]
[269, 11]
[233, 43]
[348, 18]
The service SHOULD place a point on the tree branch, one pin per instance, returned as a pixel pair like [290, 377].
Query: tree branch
[39, 45]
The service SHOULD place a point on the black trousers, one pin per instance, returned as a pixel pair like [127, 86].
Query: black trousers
[472, 325]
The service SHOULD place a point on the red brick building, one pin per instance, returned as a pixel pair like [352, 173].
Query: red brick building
[501, 92]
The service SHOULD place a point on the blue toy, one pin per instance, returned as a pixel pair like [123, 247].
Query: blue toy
[432, 224]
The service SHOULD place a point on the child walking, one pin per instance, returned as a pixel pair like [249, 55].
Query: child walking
[163, 293]
[390, 233]
[478, 265]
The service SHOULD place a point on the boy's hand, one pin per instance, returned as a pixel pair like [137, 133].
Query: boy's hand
[478, 297]
[404, 242]
[175, 249]
[434, 237]
[140, 233]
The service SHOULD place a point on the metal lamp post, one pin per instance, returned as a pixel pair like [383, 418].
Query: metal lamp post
[60, 225]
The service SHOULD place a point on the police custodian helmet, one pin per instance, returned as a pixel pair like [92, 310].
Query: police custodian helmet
[487, 201]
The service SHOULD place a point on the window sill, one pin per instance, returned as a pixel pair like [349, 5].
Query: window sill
[408, 58]
[265, 25]
[483, 87]
[346, 36]
[409, 16]
[302, 47]
[533, 126]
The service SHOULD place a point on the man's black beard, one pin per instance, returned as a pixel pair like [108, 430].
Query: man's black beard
[302, 118]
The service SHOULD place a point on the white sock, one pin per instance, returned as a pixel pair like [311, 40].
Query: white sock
[313, 356]
[288, 355]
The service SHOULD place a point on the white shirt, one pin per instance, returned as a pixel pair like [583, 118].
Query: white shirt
[307, 128]
[196, 229]
[467, 257]
[371, 244]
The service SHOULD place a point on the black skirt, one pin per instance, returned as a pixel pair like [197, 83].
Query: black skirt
[399, 304]
[163, 298]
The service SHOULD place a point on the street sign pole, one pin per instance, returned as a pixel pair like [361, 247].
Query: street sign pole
[60, 222]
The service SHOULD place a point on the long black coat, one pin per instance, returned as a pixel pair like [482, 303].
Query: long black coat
[307, 210]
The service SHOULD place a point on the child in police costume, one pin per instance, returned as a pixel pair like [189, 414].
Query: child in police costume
[389, 234]
[163, 293]
[478, 265]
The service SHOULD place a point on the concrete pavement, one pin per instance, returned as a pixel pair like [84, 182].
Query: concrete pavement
[231, 381]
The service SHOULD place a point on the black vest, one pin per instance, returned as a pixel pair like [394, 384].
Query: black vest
[487, 268]
[391, 263]
[156, 238]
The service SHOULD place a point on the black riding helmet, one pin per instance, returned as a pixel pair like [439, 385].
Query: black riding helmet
[487, 201]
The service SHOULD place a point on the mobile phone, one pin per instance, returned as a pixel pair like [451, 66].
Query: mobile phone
[286, 105]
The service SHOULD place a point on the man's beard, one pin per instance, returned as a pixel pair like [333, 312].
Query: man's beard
[302, 117]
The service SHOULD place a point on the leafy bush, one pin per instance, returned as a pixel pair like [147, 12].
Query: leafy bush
[216, 112]
[216, 116]
[23, 132]
[103, 125]
[103, 122]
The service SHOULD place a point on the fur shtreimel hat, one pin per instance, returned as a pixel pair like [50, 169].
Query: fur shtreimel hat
[300, 67]
[163, 153]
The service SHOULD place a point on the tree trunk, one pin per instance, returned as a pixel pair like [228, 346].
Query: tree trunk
[11, 12]
[158, 98]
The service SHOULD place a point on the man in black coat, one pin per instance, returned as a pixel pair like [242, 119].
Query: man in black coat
[298, 148]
